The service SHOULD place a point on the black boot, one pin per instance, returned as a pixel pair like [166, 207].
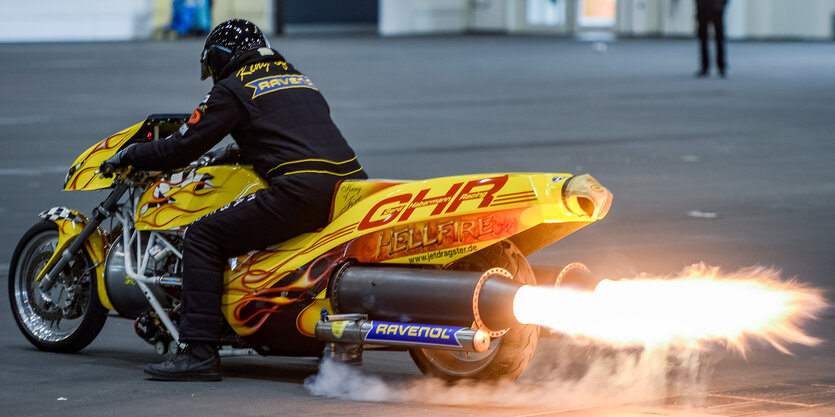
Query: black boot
[197, 362]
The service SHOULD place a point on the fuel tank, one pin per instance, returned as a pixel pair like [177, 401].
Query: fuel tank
[183, 197]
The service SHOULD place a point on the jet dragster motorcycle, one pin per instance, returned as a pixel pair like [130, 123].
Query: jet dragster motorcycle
[426, 266]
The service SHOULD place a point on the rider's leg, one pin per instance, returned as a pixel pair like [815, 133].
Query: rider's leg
[290, 206]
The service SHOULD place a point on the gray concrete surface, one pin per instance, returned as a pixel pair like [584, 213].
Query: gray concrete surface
[756, 149]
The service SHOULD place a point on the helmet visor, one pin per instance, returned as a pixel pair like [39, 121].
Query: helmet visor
[205, 71]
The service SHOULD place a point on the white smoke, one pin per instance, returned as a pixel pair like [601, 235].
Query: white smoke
[562, 374]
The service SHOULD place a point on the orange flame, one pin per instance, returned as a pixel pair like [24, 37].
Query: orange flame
[700, 305]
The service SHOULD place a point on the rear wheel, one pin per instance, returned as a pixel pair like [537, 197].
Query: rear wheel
[68, 316]
[509, 354]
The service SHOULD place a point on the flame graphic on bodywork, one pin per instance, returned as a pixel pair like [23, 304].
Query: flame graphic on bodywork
[701, 305]
[167, 203]
[82, 175]
[259, 292]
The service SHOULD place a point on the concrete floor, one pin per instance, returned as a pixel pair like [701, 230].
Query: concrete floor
[755, 149]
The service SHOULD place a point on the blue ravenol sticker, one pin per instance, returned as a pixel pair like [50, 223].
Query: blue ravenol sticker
[413, 333]
[279, 82]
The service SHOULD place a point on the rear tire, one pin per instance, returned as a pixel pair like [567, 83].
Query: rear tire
[509, 354]
[75, 317]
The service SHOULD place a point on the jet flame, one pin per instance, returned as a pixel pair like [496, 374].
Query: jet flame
[700, 305]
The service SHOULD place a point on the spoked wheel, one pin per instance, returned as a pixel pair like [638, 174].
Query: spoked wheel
[509, 354]
[68, 316]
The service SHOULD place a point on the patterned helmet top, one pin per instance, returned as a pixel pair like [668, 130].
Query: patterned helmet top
[233, 37]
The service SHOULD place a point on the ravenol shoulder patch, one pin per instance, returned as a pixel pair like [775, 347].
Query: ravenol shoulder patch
[279, 82]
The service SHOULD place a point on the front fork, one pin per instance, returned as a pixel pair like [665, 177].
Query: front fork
[47, 277]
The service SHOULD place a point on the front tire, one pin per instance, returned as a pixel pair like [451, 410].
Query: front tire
[509, 354]
[74, 316]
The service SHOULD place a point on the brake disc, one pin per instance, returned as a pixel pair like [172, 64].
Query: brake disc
[76, 284]
[45, 309]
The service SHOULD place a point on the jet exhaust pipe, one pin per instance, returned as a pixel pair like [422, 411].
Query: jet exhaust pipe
[577, 276]
[417, 295]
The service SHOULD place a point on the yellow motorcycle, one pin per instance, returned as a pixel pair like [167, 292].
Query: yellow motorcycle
[426, 266]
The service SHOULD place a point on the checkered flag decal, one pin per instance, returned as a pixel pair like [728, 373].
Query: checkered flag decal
[59, 213]
[176, 180]
[182, 179]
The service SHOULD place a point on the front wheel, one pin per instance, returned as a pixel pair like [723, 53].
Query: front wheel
[69, 316]
[509, 354]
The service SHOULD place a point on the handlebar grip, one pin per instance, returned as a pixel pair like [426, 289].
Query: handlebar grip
[107, 170]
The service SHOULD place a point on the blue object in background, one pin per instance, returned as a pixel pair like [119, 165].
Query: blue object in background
[203, 15]
[191, 16]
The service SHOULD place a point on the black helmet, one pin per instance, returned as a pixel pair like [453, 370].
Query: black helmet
[225, 43]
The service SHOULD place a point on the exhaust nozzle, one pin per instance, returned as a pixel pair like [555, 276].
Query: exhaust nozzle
[416, 295]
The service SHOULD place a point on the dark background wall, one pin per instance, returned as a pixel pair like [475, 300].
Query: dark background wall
[330, 11]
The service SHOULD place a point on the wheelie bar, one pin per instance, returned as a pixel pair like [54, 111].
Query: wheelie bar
[386, 333]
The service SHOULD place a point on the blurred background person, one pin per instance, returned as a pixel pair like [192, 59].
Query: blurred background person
[711, 12]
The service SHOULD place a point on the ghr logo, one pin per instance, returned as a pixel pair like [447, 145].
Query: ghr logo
[400, 207]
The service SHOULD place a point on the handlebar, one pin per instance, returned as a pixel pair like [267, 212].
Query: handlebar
[107, 170]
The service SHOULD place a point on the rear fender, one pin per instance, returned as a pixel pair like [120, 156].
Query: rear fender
[70, 223]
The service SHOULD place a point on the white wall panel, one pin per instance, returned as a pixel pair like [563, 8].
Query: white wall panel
[400, 17]
[75, 20]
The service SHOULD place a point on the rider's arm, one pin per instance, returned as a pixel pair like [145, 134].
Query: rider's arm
[213, 119]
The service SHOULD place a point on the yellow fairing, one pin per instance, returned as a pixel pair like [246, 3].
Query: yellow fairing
[82, 175]
[181, 198]
[307, 319]
[423, 222]
[96, 247]
[351, 192]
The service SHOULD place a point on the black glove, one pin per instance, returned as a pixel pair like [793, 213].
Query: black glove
[221, 156]
[114, 163]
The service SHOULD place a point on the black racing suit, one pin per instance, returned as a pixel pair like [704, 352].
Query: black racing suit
[283, 128]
